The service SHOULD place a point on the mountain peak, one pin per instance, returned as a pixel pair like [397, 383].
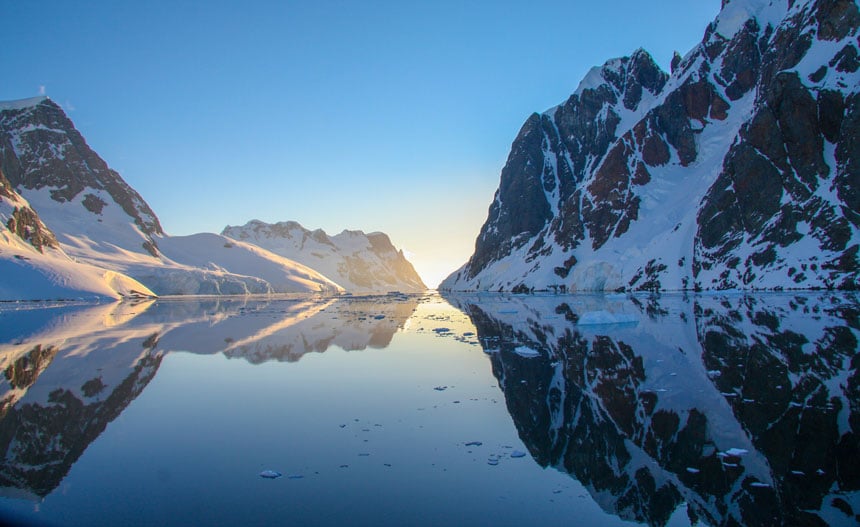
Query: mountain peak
[639, 70]
[21, 104]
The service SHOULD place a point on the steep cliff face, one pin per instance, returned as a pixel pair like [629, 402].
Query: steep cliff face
[738, 170]
[359, 262]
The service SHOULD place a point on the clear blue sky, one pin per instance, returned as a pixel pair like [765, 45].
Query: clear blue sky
[393, 116]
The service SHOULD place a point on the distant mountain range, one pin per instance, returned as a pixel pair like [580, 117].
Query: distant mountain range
[357, 261]
[740, 169]
[73, 228]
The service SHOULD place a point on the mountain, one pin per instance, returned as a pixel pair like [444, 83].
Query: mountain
[33, 265]
[361, 263]
[743, 409]
[98, 219]
[739, 170]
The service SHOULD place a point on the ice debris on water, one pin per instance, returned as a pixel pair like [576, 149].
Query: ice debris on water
[270, 474]
[474, 443]
[525, 351]
[594, 318]
[440, 388]
[493, 461]
[518, 453]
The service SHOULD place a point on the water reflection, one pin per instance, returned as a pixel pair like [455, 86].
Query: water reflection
[747, 408]
[69, 370]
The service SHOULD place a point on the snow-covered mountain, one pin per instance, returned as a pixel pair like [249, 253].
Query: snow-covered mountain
[359, 262]
[98, 219]
[740, 169]
[742, 408]
[33, 266]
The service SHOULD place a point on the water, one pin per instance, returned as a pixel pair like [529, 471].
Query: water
[400, 410]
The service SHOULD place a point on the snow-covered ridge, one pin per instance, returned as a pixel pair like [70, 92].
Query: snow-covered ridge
[356, 261]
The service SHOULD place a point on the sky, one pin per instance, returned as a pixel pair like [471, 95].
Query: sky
[392, 116]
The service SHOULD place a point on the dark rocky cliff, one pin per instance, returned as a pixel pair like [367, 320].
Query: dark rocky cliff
[738, 170]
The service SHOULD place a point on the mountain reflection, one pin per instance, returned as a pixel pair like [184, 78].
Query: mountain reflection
[746, 408]
[69, 370]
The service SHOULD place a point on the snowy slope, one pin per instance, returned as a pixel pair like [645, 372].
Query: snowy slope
[357, 261]
[100, 220]
[738, 170]
[33, 266]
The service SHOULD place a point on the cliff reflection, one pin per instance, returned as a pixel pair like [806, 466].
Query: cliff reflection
[746, 408]
[69, 370]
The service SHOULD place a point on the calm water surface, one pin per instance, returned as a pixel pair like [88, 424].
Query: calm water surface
[464, 410]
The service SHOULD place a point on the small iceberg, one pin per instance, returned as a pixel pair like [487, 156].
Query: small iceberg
[518, 453]
[270, 474]
[596, 318]
[525, 351]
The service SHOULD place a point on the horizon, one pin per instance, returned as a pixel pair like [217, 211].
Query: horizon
[388, 118]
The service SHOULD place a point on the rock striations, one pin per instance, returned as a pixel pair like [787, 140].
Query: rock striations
[359, 262]
[739, 170]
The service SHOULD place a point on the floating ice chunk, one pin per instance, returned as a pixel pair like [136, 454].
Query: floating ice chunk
[440, 388]
[493, 461]
[518, 453]
[270, 474]
[594, 318]
[491, 350]
[525, 351]
[474, 443]
[759, 484]
[442, 330]
[692, 470]
[736, 452]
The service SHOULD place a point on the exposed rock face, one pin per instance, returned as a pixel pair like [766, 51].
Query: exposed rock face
[735, 407]
[41, 150]
[23, 221]
[357, 261]
[738, 170]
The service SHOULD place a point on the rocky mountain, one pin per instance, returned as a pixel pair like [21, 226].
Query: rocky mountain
[33, 265]
[742, 408]
[738, 170]
[98, 219]
[359, 262]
